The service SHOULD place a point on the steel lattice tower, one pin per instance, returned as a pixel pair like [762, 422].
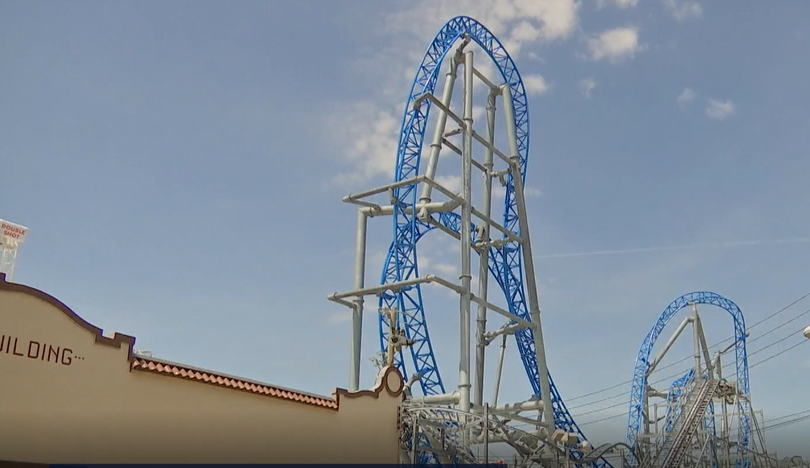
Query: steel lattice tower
[504, 248]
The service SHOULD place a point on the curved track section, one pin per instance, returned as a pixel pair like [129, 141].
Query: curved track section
[504, 264]
[643, 360]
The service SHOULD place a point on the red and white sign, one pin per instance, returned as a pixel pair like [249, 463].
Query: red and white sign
[12, 233]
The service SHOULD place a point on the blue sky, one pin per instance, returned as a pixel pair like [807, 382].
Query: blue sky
[180, 166]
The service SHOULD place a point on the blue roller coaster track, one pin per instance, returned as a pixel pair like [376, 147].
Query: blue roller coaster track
[504, 264]
[643, 362]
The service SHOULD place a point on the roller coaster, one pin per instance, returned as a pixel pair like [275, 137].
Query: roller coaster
[449, 426]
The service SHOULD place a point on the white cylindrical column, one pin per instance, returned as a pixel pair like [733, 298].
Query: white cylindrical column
[357, 313]
[466, 234]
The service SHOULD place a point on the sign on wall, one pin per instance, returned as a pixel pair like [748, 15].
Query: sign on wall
[16, 347]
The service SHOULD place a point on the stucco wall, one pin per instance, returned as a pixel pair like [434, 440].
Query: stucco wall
[83, 404]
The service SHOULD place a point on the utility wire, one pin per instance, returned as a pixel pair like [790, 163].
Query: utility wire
[663, 379]
[688, 357]
[720, 343]
[789, 422]
[789, 416]
[623, 403]
[778, 354]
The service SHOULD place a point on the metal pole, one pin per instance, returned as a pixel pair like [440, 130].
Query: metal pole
[645, 413]
[696, 334]
[651, 367]
[725, 431]
[415, 441]
[438, 133]
[498, 372]
[483, 268]
[466, 218]
[357, 313]
[705, 347]
[486, 434]
[528, 261]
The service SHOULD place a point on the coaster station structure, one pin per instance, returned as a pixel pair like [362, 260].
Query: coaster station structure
[445, 425]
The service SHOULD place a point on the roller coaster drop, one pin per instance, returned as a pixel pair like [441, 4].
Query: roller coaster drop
[441, 427]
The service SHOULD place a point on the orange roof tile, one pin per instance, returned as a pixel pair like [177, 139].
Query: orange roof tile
[157, 366]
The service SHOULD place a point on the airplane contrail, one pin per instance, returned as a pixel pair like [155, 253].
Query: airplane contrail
[678, 247]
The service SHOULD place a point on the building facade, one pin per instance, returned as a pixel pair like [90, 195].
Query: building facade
[71, 394]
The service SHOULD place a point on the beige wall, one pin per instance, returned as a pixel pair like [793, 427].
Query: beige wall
[89, 407]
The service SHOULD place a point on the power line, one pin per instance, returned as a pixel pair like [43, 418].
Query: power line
[778, 354]
[664, 379]
[596, 392]
[789, 422]
[623, 403]
[770, 421]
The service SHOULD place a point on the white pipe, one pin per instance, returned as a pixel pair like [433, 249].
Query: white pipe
[486, 433]
[394, 287]
[499, 372]
[435, 207]
[465, 232]
[704, 346]
[516, 408]
[357, 313]
[528, 260]
[436, 145]
[696, 339]
[383, 188]
[442, 399]
[668, 345]
[541, 434]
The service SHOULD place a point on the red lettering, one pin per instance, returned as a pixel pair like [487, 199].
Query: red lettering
[31, 345]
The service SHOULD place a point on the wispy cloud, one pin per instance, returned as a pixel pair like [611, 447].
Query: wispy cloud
[687, 96]
[683, 10]
[535, 84]
[587, 86]
[623, 4]
[678, 247]
[367, 132]
[720, 109]
[614, 44]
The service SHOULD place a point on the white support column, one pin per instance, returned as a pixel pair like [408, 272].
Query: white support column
[696, 339]
[528, 260]
[438, 133]
[466, 233]
[483, 267]
[357, 313]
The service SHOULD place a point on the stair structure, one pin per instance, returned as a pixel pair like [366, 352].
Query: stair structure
[687, 424]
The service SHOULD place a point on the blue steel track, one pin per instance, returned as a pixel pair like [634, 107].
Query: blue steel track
[504, 264]
[643, 361]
